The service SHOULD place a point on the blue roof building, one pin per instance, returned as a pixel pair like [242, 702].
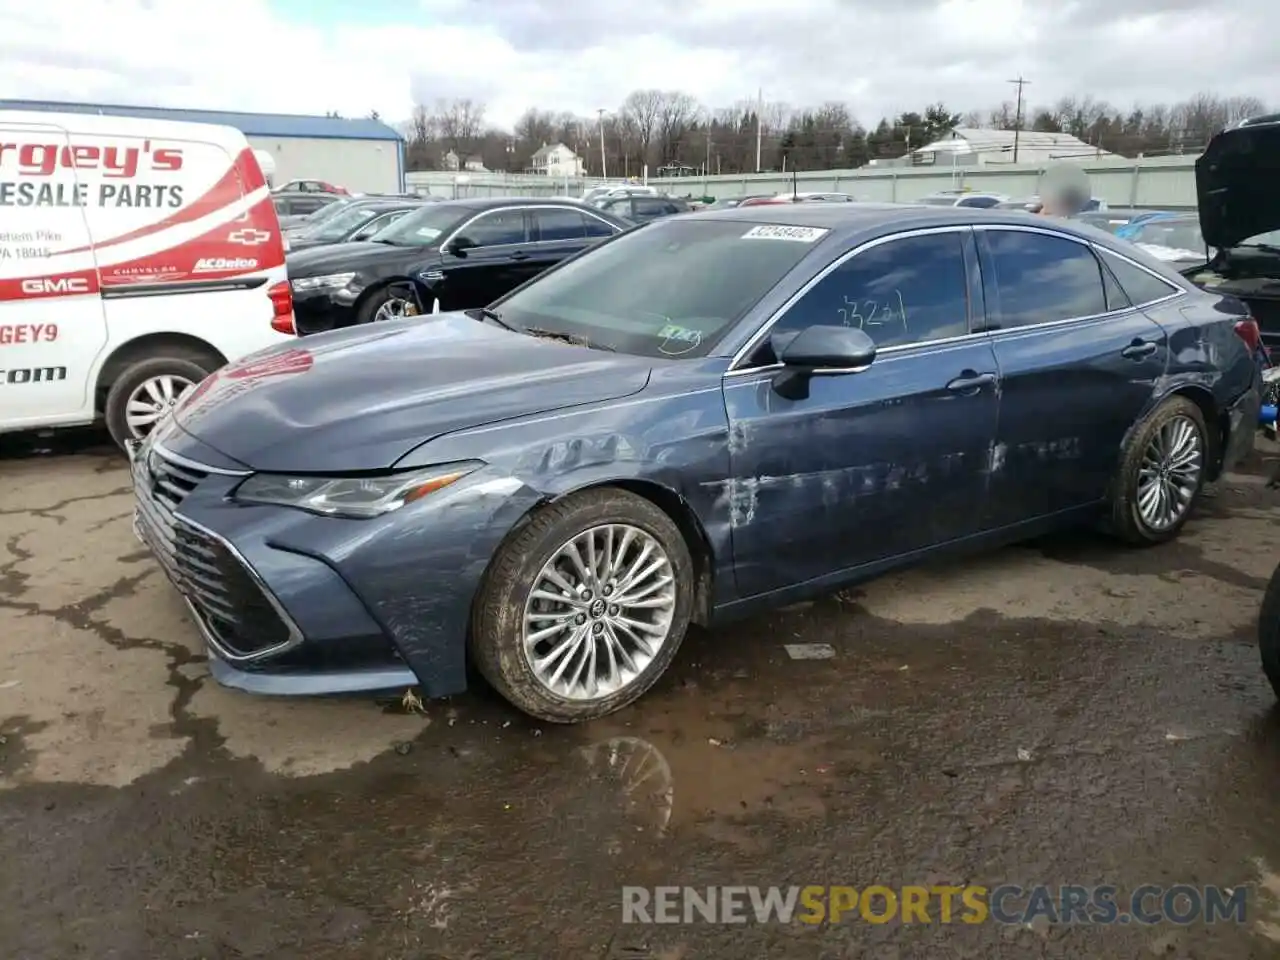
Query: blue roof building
[362, 155]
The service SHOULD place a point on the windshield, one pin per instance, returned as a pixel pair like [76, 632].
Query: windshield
[335, 228]
[325, 214]
[422, 228]
[668, 290]
[1269, 239]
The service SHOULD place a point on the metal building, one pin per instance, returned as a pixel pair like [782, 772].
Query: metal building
[365, 156]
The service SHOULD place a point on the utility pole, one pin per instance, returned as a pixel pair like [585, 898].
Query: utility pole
[604, 173]
[759, 121]
[1017, 114]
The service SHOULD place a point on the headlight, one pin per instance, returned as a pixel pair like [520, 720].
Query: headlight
[323, 283]
[356, 497]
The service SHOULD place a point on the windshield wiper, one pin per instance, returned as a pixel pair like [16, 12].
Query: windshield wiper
[1264, 247]
[484, 313]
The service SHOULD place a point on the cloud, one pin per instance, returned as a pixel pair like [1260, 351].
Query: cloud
[879, 56]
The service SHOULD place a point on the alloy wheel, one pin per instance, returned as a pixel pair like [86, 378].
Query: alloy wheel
[1169, 473]
[600, 610]
[152, 400]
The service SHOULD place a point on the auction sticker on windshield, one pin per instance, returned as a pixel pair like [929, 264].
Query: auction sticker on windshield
[773, 231]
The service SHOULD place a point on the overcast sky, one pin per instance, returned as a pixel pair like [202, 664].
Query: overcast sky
[878, 56]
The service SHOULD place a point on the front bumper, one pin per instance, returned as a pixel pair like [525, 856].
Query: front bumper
[289, 603]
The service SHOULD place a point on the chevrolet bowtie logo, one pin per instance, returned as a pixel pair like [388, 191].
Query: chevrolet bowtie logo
[249, 237]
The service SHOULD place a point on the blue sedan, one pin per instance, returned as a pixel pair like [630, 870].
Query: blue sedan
[709, 416]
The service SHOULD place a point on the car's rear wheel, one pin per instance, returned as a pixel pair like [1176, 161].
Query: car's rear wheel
[145, 391]
[585, 607]
[1161, 474]
[1269, 632]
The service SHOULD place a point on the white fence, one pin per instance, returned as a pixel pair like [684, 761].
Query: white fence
[1163, 182]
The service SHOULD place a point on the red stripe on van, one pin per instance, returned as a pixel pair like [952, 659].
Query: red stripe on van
[242, 178]
[74, 284]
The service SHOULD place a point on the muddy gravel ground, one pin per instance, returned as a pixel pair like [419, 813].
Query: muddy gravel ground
[1067, 711]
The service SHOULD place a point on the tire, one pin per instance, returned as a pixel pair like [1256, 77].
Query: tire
[499, 616]
[1127, 519]
[1269, 632]
[191, 368]
[368, 311]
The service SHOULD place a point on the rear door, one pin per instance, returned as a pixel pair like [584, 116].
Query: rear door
[52, 322]
[557, 233]
[1078, 365]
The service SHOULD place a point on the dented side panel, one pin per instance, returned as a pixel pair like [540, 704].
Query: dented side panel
[871, 465]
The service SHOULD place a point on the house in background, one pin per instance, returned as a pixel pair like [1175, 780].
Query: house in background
[472, 164]
[968, 146]
[555, 160]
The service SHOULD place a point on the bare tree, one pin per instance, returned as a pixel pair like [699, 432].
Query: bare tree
[460, 122]
[643, 107]
[677, 112]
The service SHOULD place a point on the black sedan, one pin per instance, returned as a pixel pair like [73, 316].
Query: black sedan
[445, 256]
[710, 415]
[359, 221]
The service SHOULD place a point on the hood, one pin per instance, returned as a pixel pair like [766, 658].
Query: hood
[336, 257]
[362, 398]
[1238, 182]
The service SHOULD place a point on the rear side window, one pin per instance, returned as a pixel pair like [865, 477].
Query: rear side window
[1142, 287]
[496, 229]
[1040, 278]
[650, 207]
[597, 227]
[980, 202]
[556, 223]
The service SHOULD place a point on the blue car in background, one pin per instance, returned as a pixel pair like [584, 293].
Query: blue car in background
[715, 414]
[1126, 231]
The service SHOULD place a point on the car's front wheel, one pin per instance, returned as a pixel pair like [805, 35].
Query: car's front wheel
[584, 608]
[1161, 473]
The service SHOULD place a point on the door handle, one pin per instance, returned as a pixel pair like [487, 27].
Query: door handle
[970, 382]
[519, 255]
[1138, 350]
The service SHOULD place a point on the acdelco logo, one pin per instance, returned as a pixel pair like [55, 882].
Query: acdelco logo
[42, 159]
[216, 264]
[51, 286]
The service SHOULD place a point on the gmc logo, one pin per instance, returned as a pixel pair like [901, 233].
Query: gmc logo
[50, 286]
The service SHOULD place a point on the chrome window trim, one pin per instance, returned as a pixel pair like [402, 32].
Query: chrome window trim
[522, 207]
[165, 453]
[754, 341]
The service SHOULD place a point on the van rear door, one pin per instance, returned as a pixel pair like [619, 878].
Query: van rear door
[52, 322]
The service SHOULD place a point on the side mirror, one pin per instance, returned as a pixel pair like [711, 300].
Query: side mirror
[819, 351]
[459, 246]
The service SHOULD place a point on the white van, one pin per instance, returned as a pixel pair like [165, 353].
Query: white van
[136, 257]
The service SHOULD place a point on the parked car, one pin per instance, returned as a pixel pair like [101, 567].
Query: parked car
[1239, 218]
[1136, 217]
[728, 203]
[358, 221]
[963, 198]
[311, 186]
[706, 416]
[443, 256]
[640, 208]
[1177, 240]
[597, 195]
[293, 209]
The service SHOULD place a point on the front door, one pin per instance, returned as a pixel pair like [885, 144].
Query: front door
[52, 322]
[492, 263]
[1078, 365]
[875, 464]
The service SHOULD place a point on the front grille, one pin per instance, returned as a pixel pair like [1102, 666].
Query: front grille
[232, 607]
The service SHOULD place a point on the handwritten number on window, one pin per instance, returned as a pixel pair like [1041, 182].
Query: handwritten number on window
[874, 313]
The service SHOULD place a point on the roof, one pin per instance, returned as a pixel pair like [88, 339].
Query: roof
[546, 149]
[1032, 144]
[250, 124]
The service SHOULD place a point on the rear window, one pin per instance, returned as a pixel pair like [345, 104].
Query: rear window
[669, 290]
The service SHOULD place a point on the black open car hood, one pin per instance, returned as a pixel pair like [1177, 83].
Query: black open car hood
[1238, 182]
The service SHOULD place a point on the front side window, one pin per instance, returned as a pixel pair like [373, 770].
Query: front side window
[1041, 278]
[671, 289]
[911, 290]
[496, 229]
